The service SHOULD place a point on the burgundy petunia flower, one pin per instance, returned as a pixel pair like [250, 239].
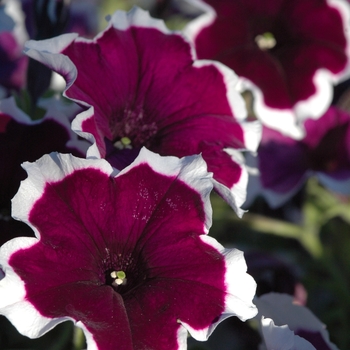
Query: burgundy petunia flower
[147, 89]
[124, 256]
[285, 163]
[289, 53]
[22, 139]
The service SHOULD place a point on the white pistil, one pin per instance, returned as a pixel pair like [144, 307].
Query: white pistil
[266, 41]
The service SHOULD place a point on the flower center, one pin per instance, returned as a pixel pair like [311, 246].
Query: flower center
[265, 41]
[123, 272]
[119, 277]
[132, 130]
[123, 143]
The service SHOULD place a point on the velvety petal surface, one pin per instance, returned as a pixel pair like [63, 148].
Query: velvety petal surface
[282, 50]
[148, 89]
[148, 221]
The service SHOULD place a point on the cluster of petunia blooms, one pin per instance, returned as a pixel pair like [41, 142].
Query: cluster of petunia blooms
[109, 221]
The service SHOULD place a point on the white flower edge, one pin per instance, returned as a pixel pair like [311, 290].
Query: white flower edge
[283, 120]
[231, 81]
[281, 337]
[182, 338]
[205, 19]
[344, 9]
[235, 196]
[282, 309]
[240, 290]
[49, 51]
[13, 304]
[48, 169]
[290, 121]
[287, 121]
[192, 170]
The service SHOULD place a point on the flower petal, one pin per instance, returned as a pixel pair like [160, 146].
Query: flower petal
[148, 221]
[292, 79]
[19, 141]
[148, 88]
[300, 320]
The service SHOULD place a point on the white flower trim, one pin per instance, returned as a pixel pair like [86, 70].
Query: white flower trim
[231, 81]
[13, 303]
[283, 120]
[207, 17]
[287, 121]
[55, 167]
[182, 338]
[236, 195]
[282, 309]
[192, 170]
[49, 168]
[90, 342]
[281, 337]
[77, 126]
[252, 135]
[290, 121]
[240, 290]
[344, 9]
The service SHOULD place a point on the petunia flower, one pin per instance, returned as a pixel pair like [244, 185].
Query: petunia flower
[23, 139]
[284, 163]
[147, 89]
[289, 326]
[125, 256]
[289, 53]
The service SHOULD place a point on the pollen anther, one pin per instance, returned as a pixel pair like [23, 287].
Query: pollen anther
[266, 41]
[119, 277]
